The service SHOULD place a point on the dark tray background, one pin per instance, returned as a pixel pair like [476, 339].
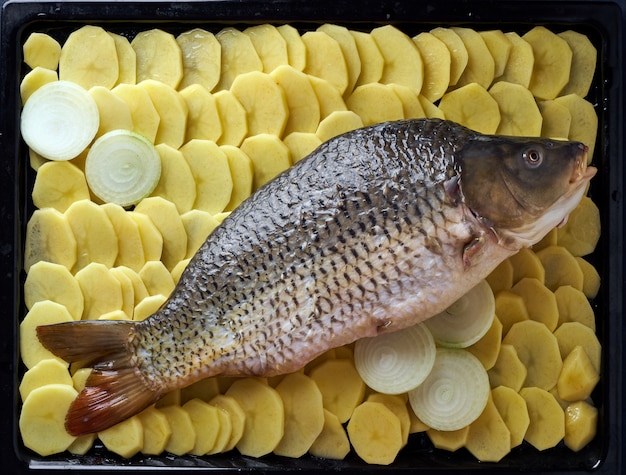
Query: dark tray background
[602, 21]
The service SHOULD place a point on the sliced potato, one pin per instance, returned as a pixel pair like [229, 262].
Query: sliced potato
[172, 110]
[374, 103]
[124, 438]
[581, 422]
[375, 433]
[114, 112]
[487, 348]
[349, 49]
[49, 237]
[372, 61]
[501, 278]
[156, 431]
[237, 418]
[159, 57]
[148, 306]
[269, 44]
[143, 113]
[472, 106]
[34, 79]
[519, 67]
[591, 278]
[556, 119]
[126, 274]
[58, 185]
[572, 334]
[583, 68]
[337, 123]
[102, 292]
[403, 63]
[98, 68]
[398, 405]
[269, 155]
[539, 300]
[325, 59]
[156, 278]
[561, 268]
[128, 294]
[480, 64]
[54, 282]
[296, 51]
[238, 56]
[519, 113]
[578, 377]
[411, 105]
[332, 443]
[508, 370]
[526, 264]
[500, 48]
[547, 420]
[45, 312]
[210, 170]
[458, 52]
[202, 58]
[584, 125]
[489, 438]
[301, 144]
[328, 96]
[512, 408]
[437, 63]
[203, 119]
[510, 309]
[303, 107]
[205, 421]
[151, 238]
[129, 244]
[450, 440]
[177, 183]
[49, 371]
[41, 50]
[553, 60]
[198, 225]
[183, 437]
[233, 118]
[242, 174]
[581, 233]
[126, 59]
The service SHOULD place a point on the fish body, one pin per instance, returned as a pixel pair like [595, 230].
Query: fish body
[376, 230]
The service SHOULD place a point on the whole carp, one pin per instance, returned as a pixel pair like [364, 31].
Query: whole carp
[378, 229]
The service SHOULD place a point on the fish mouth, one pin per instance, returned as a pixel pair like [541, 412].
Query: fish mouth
[582, 172]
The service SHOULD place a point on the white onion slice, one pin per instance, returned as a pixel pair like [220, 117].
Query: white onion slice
[122, 167]
[455, 392]
[467, 320]
[396, 362]
[59, 120]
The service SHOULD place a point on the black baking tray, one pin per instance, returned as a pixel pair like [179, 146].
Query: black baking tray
[603, 22]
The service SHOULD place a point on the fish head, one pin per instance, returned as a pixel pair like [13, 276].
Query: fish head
[520, 187]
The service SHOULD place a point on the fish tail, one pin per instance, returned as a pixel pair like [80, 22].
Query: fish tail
[115, 390]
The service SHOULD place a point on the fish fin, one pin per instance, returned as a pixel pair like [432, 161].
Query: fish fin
[116, 389]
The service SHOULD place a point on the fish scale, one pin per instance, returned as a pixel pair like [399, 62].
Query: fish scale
[376, 230]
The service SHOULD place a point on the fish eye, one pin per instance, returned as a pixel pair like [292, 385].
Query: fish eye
[533, 157]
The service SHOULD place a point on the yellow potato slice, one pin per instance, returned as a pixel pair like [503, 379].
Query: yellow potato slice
[49, 238]
[539, 300]
[581, 422]
[556, 119]
[183, 437]
[126, 59]
[519, 113]
[325, 59]
[269, 155]
[584, 125]
[398, 405]
[546, 241]
[337, 123]
[584, 57]
[238, 56]
[115, 315]
[203, 119]
[328, 97]
[233, 118]
[159, 57]
[450, 440]
[301, 144]
[205, 420]
[151, 238]
[349, 49]
[124, 438]
[177, 183]
[49, 281]
[509, 370]
[205, 390]
[501, 278]
[148, 306]
[41, 50]
[499, 46]
[269, 44]
[172, 110]
[171, 398]
[82, 444]
[472, 106]
[130, 251]
[34, 79]
[547, 420]
[210, 170]
[489, 438]
[242, 175]
[42, 419]
[519, 67]
[264, 101]
[341, 386]
[296, 51]
[88, 221]
[198, 225]
[403, 63]
[578, 377]
[372, 61]
[98, 68]
[411, 105]
[236, 415]
[264, 416]
[437, 63]
[114, 112]
[581, 233]
[480, 64]
[223, 436]
[591, 278]
[45, 372]
[375, 433]
[58, 185]
[538, 349]
[572, 334]
[527, 264]
[101, 290]
[561, 268]
[45, 312]
[303, 107]
[510, 309]
[553, 60]
[332, 443]
[128, 291]
[202, 58]
[156, 431]
[304, 414]
[165, 217]
[374, 103]
[458, 52]
[143, 113]
[512, 408]
[125, 275]
[488, 347]
[156, 278]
